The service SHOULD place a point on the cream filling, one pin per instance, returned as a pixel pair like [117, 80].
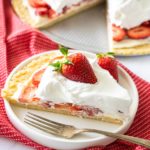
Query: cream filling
[59, 5]
[126, 43]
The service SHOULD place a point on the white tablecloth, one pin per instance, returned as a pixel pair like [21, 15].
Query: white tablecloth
[139, 65]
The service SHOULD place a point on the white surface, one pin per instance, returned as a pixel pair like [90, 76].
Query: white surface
[16, 115]
[85, 31]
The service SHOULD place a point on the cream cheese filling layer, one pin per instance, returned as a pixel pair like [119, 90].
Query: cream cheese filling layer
[126, 43]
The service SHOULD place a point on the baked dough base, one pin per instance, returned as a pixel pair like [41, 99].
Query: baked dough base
[133, 51]
[25, 73]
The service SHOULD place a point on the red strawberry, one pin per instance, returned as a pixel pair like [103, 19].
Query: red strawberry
[37, 3]
[108, 62]
[80, 70]
[42, 11]
[75, 67]
[37, 77]
[28, 94]
[118, 33]
[51, 13]
[140, 32]
[146, 23]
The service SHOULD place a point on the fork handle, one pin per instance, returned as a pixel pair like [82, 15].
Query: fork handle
[139, 141]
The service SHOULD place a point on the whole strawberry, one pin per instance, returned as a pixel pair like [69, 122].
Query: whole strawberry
[107, 61]
[75, 67]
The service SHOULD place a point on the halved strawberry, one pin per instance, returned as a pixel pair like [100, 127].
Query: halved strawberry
[37, 77]
[140, 32]
[37, 3]
[75, 67]
[42, 11]
[146, 23]
[118, 33]
[108, 62]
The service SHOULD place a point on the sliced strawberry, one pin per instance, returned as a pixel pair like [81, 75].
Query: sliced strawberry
[76, 108]
[140, 32]
[146, 23]
[28, 94]
[118, 33]
[68, 106]
[75, 67]
[108, 62]
[37, 77]
[42, 11]
[37, 3]
[51, 13]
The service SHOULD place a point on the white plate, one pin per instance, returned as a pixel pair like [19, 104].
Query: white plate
[16, 116]
[85, 31]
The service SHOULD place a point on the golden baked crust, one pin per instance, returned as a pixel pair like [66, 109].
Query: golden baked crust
[23, 13]
[132, 51]
[23, 74]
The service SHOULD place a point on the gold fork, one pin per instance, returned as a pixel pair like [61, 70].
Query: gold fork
[68, 131]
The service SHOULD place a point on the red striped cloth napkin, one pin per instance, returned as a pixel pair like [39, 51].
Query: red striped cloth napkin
[18, 42]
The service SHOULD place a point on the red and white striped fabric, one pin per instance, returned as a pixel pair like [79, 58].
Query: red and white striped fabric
[18, 42]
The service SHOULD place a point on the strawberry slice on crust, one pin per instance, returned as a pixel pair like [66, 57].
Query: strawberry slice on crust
[140, 32]
[42, 11]
[107, 61]
[146, 23]
[28, 94]
[37, 77]
[118, 33]
[37, 3]
[75, 67]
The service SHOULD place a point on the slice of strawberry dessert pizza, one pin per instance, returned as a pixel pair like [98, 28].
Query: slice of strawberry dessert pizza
[75, 83]
[129, 26]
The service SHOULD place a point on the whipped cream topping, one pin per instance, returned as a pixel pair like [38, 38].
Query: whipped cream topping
[106, 94]
[59, 5]
[129, 13]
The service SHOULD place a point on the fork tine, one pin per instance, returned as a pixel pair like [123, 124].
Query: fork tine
[50, 121]
[44, 122]
[40, 128]
[42, 125]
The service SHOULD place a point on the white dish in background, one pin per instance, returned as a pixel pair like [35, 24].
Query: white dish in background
[16, 116]
[86, 31]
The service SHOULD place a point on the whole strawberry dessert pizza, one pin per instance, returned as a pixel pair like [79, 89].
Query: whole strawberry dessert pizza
[71, 83]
